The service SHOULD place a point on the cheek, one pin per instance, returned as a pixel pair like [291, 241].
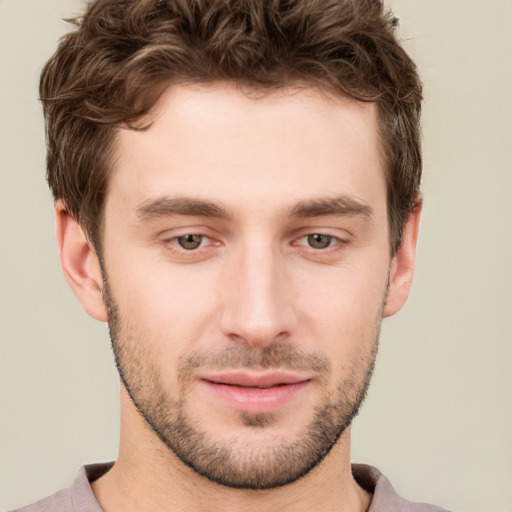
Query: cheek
[344, 311]
[169, 308]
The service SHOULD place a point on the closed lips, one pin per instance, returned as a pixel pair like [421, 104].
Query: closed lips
[255, 381]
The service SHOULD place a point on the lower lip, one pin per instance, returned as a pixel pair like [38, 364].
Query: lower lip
[256, 400]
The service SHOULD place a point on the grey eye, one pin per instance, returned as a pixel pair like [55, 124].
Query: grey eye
[319, 241]
[190, 242]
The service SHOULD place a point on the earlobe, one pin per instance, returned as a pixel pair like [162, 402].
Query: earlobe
[80, 263]
[402, 265]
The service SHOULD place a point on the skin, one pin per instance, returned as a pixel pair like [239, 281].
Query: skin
[265, 163]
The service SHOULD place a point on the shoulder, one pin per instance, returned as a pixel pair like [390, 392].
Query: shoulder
[78, 498]
[385, 498]
[58, 502]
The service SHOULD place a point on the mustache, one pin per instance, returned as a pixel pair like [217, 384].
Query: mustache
[274, 355]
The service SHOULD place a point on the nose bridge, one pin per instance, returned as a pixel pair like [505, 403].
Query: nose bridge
[256, 307]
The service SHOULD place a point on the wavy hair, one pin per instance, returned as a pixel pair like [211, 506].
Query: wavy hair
[112, 68]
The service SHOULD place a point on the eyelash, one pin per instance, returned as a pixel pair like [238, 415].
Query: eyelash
[334, 243]
[174, 245]
[337, 241]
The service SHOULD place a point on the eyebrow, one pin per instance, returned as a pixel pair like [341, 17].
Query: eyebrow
[168, 206]
[341, 205]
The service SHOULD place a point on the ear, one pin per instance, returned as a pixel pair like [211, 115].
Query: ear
[80, 263]
[402, 265]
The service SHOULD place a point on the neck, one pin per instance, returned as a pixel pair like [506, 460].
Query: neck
[148, 476]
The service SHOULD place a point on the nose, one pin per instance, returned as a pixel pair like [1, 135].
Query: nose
[257, 298]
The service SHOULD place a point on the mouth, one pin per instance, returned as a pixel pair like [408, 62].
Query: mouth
[256, 393]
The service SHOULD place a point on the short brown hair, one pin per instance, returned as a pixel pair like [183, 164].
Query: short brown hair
[112, 69]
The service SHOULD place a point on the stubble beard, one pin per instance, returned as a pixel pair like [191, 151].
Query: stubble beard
[236, 463]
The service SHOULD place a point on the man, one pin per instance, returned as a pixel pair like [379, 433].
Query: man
[237, 194]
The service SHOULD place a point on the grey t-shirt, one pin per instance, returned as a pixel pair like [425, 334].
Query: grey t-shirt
[80, 498]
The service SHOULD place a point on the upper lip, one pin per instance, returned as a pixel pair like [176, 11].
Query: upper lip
[254, 380]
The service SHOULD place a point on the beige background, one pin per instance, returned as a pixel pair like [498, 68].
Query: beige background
[438, 420]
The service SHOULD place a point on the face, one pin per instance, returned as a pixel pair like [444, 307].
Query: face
[246, 266]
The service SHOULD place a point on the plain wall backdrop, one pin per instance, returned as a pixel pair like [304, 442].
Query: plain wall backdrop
[438, 419]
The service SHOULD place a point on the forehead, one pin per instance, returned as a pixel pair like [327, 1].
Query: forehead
[219, 142]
